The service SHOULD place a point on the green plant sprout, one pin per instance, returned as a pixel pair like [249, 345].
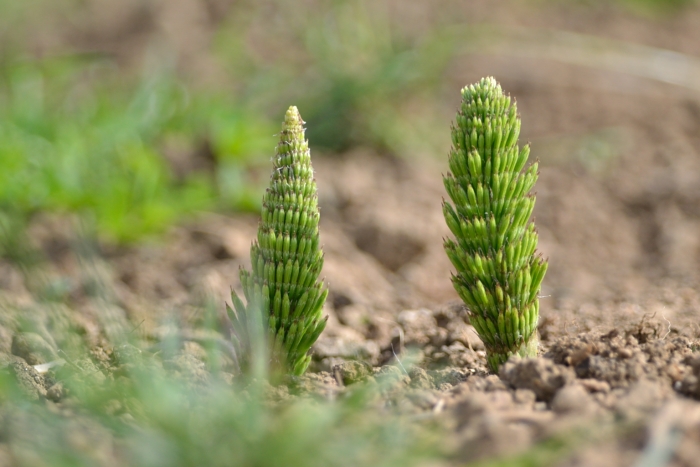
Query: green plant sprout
[283, 292]
[498, 274]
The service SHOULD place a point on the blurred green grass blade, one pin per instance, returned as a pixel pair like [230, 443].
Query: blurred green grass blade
[76, 140]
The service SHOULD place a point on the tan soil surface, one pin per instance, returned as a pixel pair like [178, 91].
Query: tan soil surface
[619, 219]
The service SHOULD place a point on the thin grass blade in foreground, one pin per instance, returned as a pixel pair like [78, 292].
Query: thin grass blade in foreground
[498, 274]
[283, 293]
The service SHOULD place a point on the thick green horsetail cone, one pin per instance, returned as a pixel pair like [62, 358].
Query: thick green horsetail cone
[497, 274]
[286, 260]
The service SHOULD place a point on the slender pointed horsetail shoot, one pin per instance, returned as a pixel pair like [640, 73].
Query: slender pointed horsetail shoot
[284, 298]
[498, 275]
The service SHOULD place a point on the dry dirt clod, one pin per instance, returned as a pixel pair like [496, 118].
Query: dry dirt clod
[33, 348]
[423, 399]
[593, 385]
[125, 353]
[390, 375]
[486, 383]
[485, 425]
[541, 375]
[448, 377]
[691, 383]
[419, 327]
[345, 348]
[323, 384]
[642, 399]
[473, 405]
[573, 399]
[420, 379]
[347, 373]
[524, 397]
[465, 334]
[189, 368]
[55, 392]
[31, 383]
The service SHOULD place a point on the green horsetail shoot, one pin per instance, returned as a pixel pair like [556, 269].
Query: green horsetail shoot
[498, 274]
[284, 296]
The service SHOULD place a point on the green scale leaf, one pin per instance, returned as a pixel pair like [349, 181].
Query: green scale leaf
[498, 275]
[283, 290]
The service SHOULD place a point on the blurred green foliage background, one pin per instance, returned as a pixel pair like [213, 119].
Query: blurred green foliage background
[135, 147]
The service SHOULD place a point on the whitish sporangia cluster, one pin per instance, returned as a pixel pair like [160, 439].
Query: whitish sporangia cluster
[283, 287]
[498, 274]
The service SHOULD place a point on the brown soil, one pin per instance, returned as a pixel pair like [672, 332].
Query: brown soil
[617, 211]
